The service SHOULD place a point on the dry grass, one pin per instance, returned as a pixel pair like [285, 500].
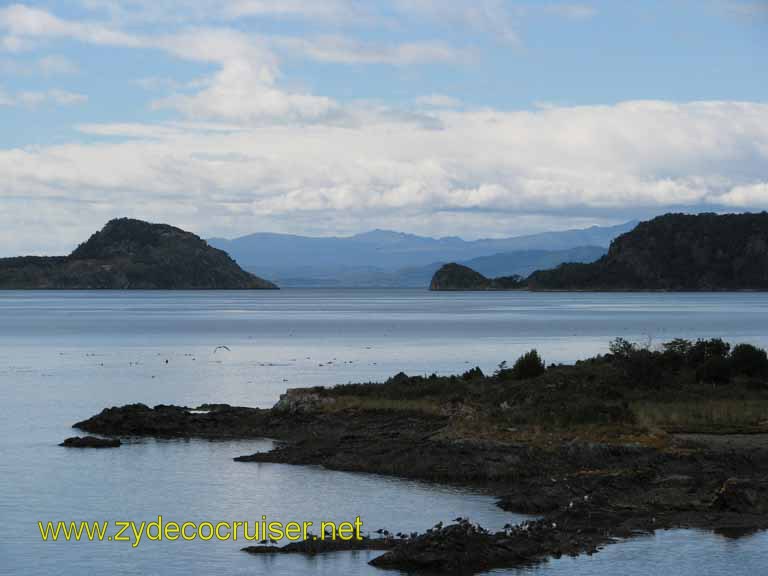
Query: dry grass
[383, 404]
[723, 416]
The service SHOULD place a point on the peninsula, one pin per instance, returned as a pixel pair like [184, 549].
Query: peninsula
[613, 446]
[132, 254]
[673, 252]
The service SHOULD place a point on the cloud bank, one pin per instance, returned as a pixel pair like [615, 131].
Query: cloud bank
[249, 151]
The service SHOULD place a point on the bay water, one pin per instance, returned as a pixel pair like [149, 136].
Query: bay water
[66, 355]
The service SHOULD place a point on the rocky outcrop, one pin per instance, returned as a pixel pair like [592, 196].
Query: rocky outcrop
[457, 277]
[132, 254]
[90, 442]
[302, 400]
[314, 546]
[178, 421]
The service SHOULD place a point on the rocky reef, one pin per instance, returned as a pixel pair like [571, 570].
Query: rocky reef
[90, 442]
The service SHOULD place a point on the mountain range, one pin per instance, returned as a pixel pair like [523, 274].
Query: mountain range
[383, 258]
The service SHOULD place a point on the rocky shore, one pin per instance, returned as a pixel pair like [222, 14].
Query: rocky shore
[590, 483]
[90, 442]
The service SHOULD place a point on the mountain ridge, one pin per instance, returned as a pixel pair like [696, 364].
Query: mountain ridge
[377, 257]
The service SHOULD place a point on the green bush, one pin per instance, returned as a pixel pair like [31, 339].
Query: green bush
[705, 350]
[473, 374]
[529, 365]
[622, 349]
[715, 370]
[749, 361]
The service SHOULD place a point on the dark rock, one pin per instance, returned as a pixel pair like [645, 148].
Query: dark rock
[312, 547]
[90, 442]
[177, 421]
[743, 495]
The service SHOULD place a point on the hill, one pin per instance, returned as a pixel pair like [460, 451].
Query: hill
[132, 254]
[700, 252]
[458, 277]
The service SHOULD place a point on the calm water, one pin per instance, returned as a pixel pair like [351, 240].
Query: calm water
[64, 356]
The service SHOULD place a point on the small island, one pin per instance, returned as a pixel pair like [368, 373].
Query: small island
[458, 277]
[673, 252]
[132, 254]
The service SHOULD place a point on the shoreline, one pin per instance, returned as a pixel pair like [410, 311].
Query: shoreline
[587, 495]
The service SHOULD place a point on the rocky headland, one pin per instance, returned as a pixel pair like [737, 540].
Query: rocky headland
[673, 252]
[132, 255]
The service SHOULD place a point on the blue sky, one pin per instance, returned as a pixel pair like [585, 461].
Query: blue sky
[452, 117]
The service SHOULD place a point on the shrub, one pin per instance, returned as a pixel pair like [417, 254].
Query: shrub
[622, 349]
[704, 350]
[678, 347]
[529, 365]
[473, 374]
[749, 361]
[716, 370]
[642, 367]
[675, 353]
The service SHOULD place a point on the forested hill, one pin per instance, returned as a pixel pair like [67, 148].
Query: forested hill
[132, 254]
[674, 252]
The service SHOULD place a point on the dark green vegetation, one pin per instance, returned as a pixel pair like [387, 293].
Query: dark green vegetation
[132, 254]
[458, 277]
[634, 391]
[675, 252]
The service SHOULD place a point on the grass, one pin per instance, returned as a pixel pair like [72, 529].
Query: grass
[421, 406]
[721, 416]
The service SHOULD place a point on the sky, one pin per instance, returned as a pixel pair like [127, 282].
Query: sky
[473, 118]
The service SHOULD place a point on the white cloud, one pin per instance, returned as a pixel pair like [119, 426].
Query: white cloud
[23, 22]
[179, 11]
[35, 98]
[52, 65]
[573, 11]
[56, 65]
[746, 196]
[484, 172]
[347, 51]
[245, 92]
[496, 17]
[438, 101]
[303, 9]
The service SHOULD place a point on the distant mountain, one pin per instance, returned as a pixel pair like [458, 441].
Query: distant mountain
[525, 262]
[675, 252]
[520, 263]
[458, 277]
[132, 254]
[386, 258]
